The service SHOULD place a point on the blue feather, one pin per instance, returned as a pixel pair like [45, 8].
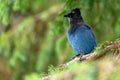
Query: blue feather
[82, 39]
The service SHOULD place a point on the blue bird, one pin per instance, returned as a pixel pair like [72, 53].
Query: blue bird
[80, 35]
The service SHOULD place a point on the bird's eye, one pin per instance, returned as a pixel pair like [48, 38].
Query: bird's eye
[73, 12]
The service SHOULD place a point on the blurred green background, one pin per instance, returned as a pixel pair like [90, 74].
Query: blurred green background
[33, 33]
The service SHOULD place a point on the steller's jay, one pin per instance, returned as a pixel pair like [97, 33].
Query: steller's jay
[80, 35]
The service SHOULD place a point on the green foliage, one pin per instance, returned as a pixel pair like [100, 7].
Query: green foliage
[32, 76]
[5, 9]
[20, 39]
[77, 71]
[101, 46]
[7, 6]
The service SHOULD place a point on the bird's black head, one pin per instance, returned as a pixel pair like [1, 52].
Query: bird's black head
[74, 13]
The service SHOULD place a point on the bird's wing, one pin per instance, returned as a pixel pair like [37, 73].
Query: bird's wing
[85, 39]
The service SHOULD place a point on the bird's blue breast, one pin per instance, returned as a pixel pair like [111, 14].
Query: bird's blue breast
[81, 39]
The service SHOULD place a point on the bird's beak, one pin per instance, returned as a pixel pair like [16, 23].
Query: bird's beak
[66, 15]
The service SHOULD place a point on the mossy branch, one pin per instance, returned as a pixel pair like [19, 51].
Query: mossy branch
[94, 56]
[90, 57]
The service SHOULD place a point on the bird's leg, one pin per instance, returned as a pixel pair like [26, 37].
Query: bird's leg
[78, 55]
[75, 56]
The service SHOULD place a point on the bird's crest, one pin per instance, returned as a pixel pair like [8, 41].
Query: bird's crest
[73, 13]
